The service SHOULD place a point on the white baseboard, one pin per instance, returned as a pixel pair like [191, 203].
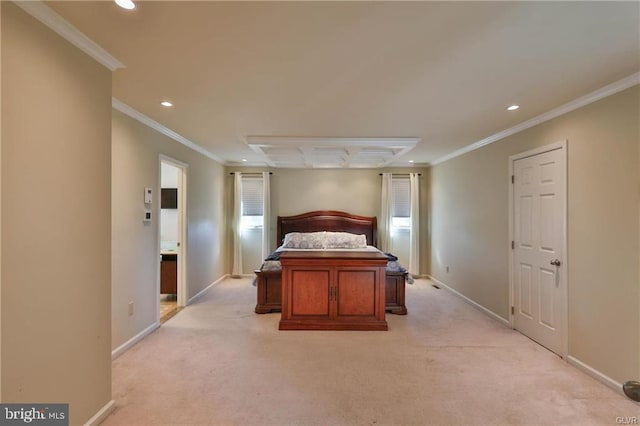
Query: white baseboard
[135, 339]
[213, 284]
[471, 302]
[101, 415]
[599, 376]
[144, 333]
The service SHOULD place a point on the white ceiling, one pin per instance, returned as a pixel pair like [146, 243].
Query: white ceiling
[439, 73]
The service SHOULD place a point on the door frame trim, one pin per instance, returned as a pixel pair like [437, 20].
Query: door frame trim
[182, 229]
[564, 277]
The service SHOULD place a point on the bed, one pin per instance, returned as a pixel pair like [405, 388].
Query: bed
[269, 277]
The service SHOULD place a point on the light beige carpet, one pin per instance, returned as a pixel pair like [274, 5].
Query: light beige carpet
[218, 363]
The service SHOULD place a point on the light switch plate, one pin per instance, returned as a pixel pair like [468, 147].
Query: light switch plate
[148, 195]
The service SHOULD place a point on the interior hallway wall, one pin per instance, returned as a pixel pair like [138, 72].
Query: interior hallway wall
[357, 191]
[469, 221]
[136, 164]
[56, 226]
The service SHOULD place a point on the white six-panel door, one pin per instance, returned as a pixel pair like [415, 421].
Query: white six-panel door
[539, 192]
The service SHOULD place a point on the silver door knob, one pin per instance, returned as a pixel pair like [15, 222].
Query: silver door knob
[556, 262]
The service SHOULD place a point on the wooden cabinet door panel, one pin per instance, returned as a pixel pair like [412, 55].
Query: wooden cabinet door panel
[356, 293]
[310, 292]
[169, 277]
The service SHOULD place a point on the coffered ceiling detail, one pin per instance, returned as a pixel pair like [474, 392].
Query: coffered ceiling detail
[312, 152]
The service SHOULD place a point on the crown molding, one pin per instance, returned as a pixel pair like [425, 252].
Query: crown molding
[594, 96]
[57, 23]
[137, 115]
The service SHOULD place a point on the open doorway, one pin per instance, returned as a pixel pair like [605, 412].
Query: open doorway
[172, 238]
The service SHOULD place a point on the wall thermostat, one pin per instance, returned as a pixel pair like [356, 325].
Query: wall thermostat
[148, 196]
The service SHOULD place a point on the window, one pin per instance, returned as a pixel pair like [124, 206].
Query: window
[252, 203]
[400, 204]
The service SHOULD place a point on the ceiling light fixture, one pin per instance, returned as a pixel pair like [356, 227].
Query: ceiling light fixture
[411, 161]
[166, 104]
[244, 160]
[513, 107]
[126, 4]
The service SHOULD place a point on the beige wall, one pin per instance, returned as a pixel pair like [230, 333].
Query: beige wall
[469, 222]
[136, 164]
[56, 230]
[357, 191]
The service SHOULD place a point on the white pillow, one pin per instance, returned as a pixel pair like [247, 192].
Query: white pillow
[324, 240]
[304, 240]
[344, 240]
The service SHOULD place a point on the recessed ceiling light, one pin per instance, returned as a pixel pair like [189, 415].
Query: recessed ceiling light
[513, 107]
[244, 160]
[126, 4]
[166, 104]
[411, 161]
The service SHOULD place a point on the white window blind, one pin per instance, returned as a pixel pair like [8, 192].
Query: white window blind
[401, 194]
[252, 202]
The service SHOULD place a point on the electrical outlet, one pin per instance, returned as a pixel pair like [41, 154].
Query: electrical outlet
[447, 268]
[130, 308]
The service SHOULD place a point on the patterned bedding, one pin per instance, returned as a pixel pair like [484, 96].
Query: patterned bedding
[272, 262]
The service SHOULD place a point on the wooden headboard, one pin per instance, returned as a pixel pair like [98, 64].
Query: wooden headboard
[328, 220]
